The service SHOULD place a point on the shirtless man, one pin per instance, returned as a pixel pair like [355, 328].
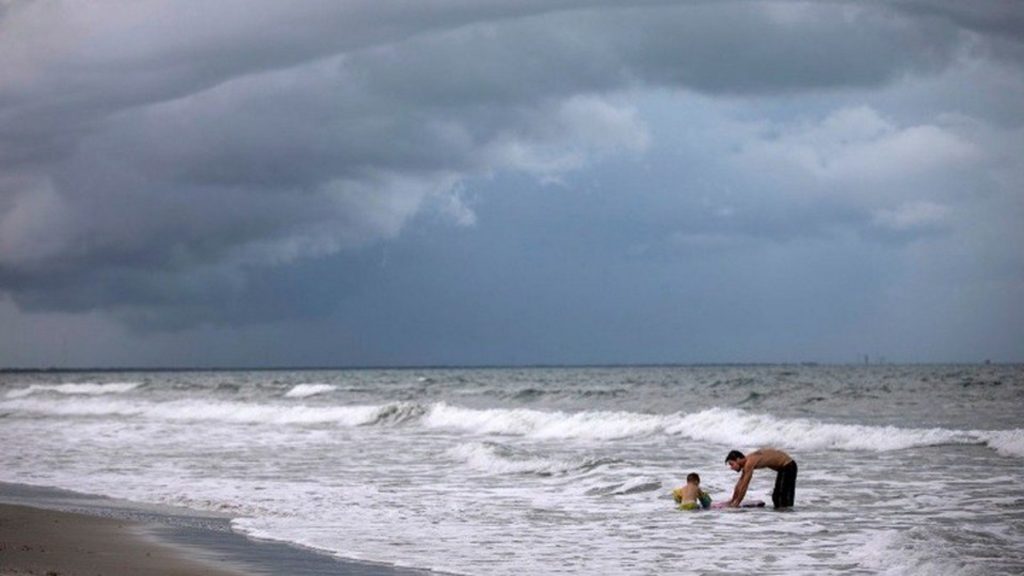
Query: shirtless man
[782, 463]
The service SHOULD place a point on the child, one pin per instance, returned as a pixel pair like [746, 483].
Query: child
[691, 497]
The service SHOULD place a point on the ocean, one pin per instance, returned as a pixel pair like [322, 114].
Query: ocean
[511, 471]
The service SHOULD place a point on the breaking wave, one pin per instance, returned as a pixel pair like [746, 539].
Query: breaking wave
[539, 424]
[730, 426]
[228, 412]
[85, 388]
[1006, 442]
[398, 413]
[497, 459]
[919, 551]
[632, 486]
[307, 390]
[715, 425]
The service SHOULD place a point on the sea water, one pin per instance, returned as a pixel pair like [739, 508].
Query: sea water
[902, 469]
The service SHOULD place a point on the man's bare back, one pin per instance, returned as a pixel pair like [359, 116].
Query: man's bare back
[768, 458]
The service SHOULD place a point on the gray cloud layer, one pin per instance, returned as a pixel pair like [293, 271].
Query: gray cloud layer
[159, 160]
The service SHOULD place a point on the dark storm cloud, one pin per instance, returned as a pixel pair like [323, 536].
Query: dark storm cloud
[157, 159]
[67, 65]
[1002, 17]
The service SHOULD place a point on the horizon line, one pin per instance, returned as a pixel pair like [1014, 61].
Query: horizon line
[326, 368]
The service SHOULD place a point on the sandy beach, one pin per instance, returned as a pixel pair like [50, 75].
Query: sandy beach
[50, 532]
[51, 543]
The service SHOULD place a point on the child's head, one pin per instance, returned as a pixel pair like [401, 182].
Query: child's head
[692, 478]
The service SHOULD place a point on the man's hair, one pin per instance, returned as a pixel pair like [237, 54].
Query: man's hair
[734, 455]
[693, 477]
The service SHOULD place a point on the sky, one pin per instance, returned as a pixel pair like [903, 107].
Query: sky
[487, 182]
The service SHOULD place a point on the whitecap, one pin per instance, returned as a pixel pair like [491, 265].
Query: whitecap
[544, 425]
[492, 458]
[1005, 442]
[230, 412]
[84, 388]
[307, 390]
[738, 427]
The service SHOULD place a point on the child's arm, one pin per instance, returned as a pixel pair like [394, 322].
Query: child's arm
[704, 498]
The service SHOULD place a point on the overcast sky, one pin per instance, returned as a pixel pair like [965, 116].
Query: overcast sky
[254, 183]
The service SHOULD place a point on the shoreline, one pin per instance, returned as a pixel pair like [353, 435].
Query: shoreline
[41, 541]
[53, 532]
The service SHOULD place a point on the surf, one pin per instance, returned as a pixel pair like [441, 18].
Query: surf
[721, 426]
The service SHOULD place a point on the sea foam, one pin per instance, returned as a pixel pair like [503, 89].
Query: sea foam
[227, 412]
[723, 426]
[84, 388]
[307, 390]
[541, 425]
[914, 552]
[495, 459]
[717, 425]
[1006, 442]
[488, 458]
[731, 426]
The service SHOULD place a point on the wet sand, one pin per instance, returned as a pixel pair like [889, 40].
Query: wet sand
[51, 532]
[49, 543]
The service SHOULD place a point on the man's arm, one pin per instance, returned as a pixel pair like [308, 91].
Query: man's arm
[741, 485]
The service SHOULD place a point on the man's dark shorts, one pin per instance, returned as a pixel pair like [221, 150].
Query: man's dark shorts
[785, 486]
